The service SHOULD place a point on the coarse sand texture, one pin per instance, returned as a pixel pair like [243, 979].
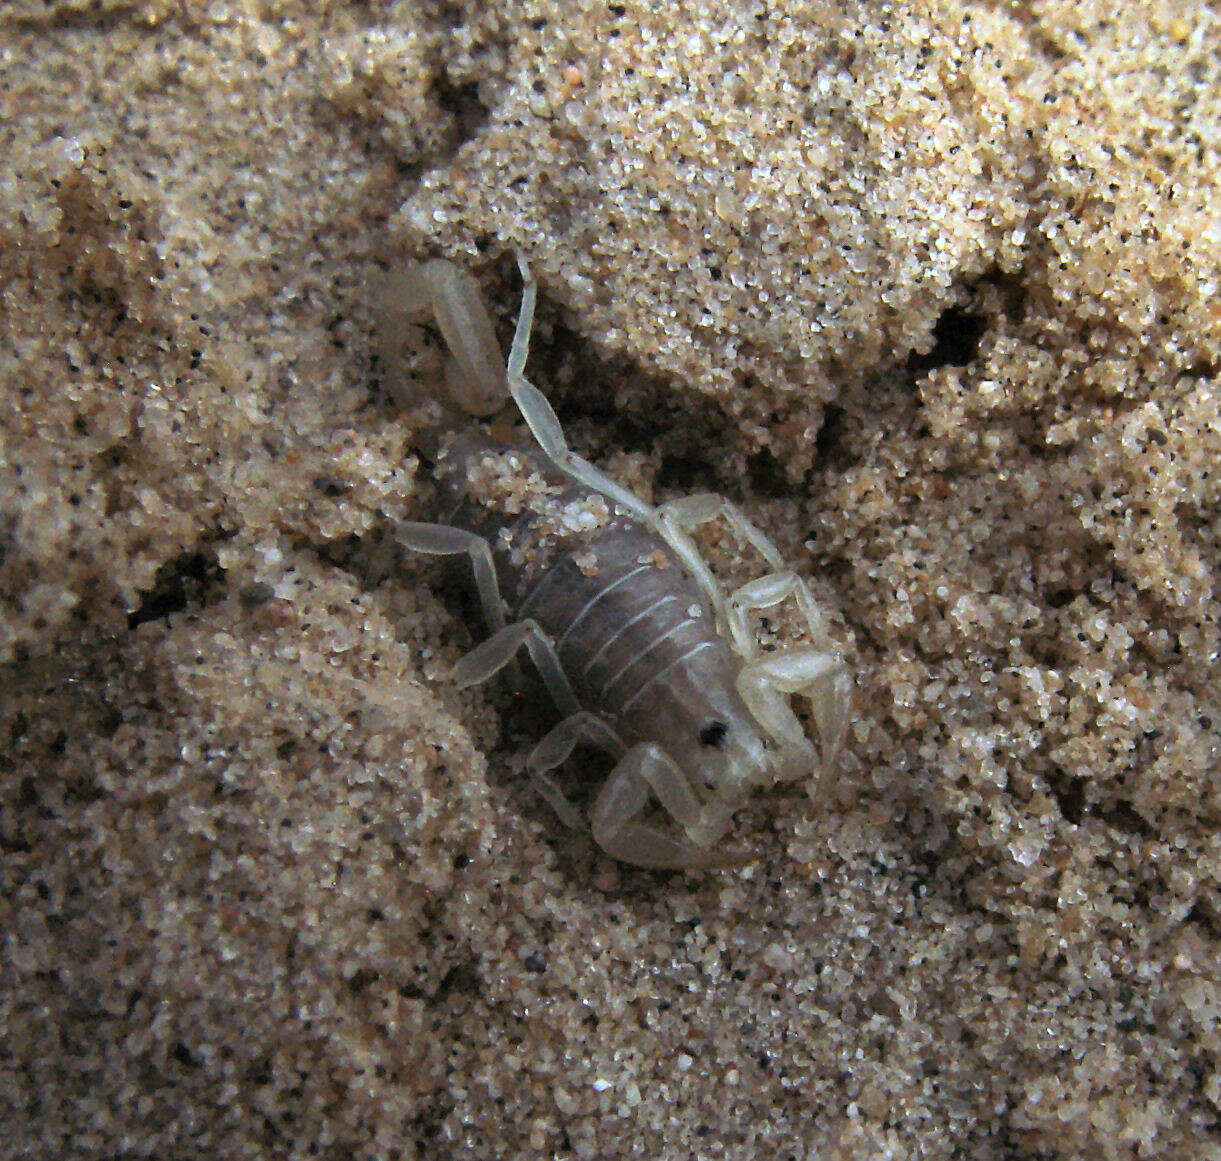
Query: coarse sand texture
[931, 290]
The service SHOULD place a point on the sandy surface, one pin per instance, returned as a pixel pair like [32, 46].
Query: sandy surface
[931, 290]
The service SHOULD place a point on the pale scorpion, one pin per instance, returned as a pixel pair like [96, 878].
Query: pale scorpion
[641, 650]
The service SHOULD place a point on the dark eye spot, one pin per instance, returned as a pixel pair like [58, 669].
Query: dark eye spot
[713, 734]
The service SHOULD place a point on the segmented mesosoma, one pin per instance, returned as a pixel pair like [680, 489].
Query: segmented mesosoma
[641, 650]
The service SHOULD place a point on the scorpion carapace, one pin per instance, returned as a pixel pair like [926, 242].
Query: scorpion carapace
[640, 648]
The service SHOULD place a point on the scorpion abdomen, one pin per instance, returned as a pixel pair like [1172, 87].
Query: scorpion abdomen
[632, 631]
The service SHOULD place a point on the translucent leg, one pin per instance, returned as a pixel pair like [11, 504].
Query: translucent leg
[765, 593]
[679, 518]
[674, 527]
[817, 674]
[444, 540]
[555, 748]
[646, 769]
[704, 507]
[497, 651]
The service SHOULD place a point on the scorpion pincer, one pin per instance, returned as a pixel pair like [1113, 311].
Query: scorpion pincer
[633, 636]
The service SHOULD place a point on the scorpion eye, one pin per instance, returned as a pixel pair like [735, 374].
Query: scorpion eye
[713, 734]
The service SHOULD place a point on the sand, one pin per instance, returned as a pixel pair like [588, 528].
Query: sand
[931, 290]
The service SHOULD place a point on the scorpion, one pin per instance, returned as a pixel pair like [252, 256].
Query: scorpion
[636, 641]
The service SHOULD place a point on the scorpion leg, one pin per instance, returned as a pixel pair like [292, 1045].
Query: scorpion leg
[444, 540]
[555, 748]
[678, 518]
[643, 769]
[817, 674]
[673, 524]
[689, 512]
[497, 651]
[766, 593]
